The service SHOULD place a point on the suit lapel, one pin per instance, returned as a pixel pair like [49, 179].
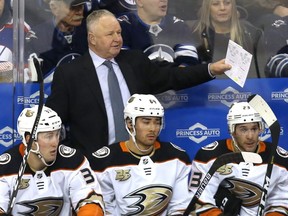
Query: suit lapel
[90, 77]
[129, 75]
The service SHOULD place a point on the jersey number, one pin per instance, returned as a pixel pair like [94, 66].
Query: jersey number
[87, 175]
[196, 179]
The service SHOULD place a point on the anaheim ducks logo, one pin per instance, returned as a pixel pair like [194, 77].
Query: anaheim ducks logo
[225, 169]
[152, 200]
[49, 206]
[249, 192]
[29, 113]
[24, 184]
[122, 175]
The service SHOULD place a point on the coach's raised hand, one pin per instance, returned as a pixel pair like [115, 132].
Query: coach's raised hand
[219, 67]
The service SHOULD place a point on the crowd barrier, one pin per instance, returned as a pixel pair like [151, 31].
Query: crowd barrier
[194, 117]
[197, 116]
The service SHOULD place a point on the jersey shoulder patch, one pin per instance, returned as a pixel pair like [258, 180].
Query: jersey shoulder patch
[169, 151]
[10, 161]
[177, 147]
[282, 152]
[66, 151]
[5, 158]
[211, 151]
[68, 158]
[102, 153]
[211, 146]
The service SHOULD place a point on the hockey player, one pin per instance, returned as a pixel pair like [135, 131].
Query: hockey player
[161, 36]
[240, 185]
[143, 176]
[56, 178]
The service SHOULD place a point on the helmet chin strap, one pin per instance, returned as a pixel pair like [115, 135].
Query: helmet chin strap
[237, 146]
[40, 156]
[141, 150]
[133, 135]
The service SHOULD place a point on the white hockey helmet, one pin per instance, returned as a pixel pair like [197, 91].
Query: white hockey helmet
[143, 105]
[49, 121]
[242, 112]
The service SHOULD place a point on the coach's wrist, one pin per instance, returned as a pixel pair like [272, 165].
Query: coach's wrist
[212, 75]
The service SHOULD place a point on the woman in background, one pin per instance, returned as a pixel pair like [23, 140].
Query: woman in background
[218, 22]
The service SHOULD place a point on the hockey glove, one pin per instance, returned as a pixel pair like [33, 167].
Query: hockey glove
[227, 202]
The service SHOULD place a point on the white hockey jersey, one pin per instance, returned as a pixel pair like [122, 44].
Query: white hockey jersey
[245, 180]
[155, 184]
[68, 182]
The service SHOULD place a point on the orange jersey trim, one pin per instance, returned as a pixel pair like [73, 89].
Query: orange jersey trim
[230, 146]
[125, 149]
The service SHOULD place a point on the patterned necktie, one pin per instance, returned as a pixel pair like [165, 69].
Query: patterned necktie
[116, 103]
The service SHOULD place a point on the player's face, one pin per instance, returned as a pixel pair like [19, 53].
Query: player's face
[105, 37]
[247, 136]
[154, 9]
[71, 16]
[221, 11]
[48, 144]
[147, 131]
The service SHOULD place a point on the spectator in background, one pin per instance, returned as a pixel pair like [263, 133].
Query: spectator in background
[162, 37]
[36, 12]
[272, 17]
[6, 41]
[142, 165]
[177, 8]
[238, 187]
[184, 9]
[117, 7]
[80, 90]
[63, 37]
[219, 22]
[277, 65]
[275, 37]
[262, 11]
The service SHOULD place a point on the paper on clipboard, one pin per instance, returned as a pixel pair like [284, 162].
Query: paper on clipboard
[240, 60]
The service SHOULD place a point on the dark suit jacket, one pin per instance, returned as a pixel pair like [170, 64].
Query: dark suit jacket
[76, 94]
